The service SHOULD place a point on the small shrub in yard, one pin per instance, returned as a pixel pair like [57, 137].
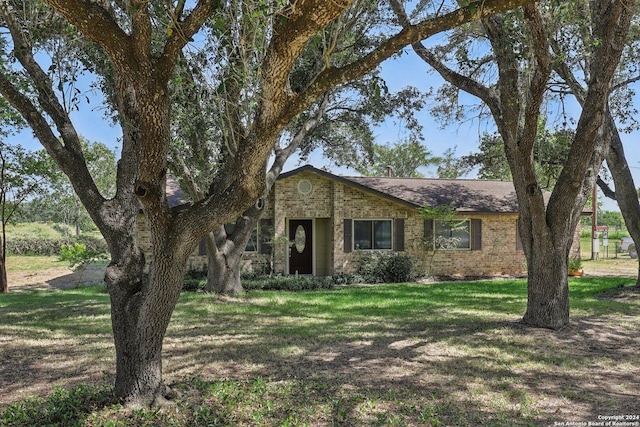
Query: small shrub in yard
[346, 279]
[386, 267]
[35, 246]
[194, 281]
[77, 254]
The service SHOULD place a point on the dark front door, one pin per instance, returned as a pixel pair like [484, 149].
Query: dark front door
[301, 249]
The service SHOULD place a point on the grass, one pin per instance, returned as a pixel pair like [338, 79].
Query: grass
[29, 264]
[37, 230]
[391, 355]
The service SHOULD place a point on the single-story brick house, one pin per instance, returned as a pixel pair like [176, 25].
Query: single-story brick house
[318, 223]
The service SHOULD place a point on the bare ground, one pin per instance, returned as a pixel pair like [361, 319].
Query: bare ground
[57, 278]
[459, 375]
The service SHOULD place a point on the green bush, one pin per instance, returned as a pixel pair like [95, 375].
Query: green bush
[386, 267]
[398, 269]
[193, 285]
[288, 283]
[346, 279]
[77, 254]
[196, 280]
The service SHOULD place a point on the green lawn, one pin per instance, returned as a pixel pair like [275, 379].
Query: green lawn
[398, 355]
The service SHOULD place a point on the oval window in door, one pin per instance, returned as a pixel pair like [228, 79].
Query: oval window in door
[300, 239]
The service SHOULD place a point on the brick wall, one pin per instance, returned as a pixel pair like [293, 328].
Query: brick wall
[337, 201]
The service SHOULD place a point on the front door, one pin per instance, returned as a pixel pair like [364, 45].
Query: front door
[301, 246]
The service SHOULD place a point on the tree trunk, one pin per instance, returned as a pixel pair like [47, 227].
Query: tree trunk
[223, 275]
[548, 288]
[225, 252]
[626, 194]
[4, 284]
[140, 314]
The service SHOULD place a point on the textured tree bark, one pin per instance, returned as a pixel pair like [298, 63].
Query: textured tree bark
[626, 194]
[223, 275]
[547, 285]
[225, 254]
[4, 284]
[140, 314]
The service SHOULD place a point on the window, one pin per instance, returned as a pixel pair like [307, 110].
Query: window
[452, 235]
[252, 243]
[372, 234]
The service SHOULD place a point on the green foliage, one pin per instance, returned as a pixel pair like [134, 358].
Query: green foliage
[439, 213]
[196, 280]
[550, 152]
[404, 158]
[48, 246]
[575, 263]
[611, 218]
[62, 408]
[288, 283]
[59, 202]
[77, 254]
[386, 267]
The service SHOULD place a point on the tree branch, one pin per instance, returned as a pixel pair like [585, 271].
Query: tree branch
[333, 76]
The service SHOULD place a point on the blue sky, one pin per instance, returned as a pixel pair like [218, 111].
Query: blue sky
[399, 73]
[410, 70]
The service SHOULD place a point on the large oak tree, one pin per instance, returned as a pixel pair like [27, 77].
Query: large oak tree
[143, 65]
[519, 58]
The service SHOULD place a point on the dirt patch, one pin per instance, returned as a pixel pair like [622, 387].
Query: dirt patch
[57, 278]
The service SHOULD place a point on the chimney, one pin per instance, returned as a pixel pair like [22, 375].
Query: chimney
[389, 171]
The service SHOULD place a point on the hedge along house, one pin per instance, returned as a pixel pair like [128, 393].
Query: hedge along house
[318, 223]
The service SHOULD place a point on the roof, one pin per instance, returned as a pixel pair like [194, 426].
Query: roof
[466, 195]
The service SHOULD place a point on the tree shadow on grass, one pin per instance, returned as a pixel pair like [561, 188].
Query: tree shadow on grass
[484, 372]
[459, 359]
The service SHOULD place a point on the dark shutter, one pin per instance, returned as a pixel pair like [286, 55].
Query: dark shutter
[202, 247]
[348, 235]
[398, 234]
[518, 239]
[265, 232]
[428, 234]
[476, 234]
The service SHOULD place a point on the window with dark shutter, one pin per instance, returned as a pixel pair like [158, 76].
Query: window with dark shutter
[398, 234]
[476, 234]
[348, 235]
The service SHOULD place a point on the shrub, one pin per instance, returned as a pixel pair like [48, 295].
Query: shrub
[346, 279]
[77, 254]
[386, 267]
[63, 229]
[288, 283]
[193, 285]
[399, 269]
